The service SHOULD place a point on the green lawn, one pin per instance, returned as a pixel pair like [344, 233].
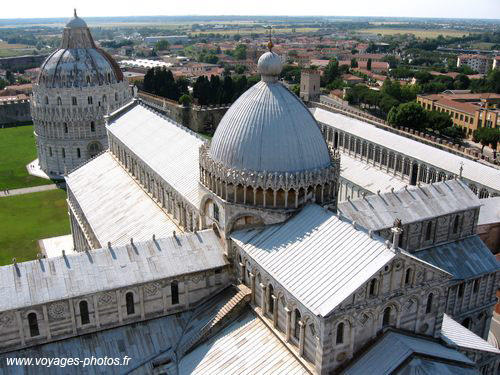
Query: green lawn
[17, 147]
[30, 217]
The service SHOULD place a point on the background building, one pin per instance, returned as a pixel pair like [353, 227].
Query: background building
[78, 84]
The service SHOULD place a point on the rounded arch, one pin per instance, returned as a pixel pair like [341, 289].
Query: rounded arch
[94, 148]
[244, 219]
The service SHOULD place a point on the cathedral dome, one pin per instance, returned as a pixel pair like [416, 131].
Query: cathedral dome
[78, 63]
[269, 129]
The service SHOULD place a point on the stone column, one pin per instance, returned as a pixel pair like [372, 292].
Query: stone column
[263, 297]
[288, 324]
[252, 284]
[47, 323]
[301, 338]
[97, 322]
[275, 311]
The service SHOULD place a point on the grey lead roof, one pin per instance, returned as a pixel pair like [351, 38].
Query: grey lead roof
[410, 205]
[367, 176]
[464, 259]
[51, 279]
[245, 347]
[269, 129]
[395, 348]
[457, 335]
[169, 149]
[490, 211]
[316, 256]
[447, 161]
[115, 206]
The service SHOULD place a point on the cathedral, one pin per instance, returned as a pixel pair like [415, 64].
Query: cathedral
[235, 255]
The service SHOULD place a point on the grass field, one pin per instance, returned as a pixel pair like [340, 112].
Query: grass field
[28, 218]
[419, 33]
[258, 30]
[17, 147]
[9, 50]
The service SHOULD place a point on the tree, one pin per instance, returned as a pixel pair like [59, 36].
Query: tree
[9, 76]
[296, 90]
[369, 64]
[354, 63]
[240, 52]
[237, 37]
[410, 115]
[185, 100]
[461, 82]
[331, 71]
[487, 136]
[162, 45]
[439, 121]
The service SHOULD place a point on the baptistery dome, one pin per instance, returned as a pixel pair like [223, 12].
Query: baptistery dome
[269, 129]
[77, 86]
[79, 63]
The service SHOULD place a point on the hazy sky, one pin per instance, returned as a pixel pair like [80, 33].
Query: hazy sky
[389, 8]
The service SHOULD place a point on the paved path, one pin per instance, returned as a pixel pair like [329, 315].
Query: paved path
[34, 189]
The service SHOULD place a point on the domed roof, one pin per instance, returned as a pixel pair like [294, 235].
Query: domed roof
[79, 62]
[269, 129]
[76, 22]
[269, 64]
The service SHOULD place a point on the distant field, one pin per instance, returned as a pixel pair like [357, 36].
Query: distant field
[28, 218]
[419, 33]
[17, 147]
[483, 45]
[259, 30]
[12, 46]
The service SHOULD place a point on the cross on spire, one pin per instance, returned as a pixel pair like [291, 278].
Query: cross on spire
[461, 168]
[270, 45]
[74, 9]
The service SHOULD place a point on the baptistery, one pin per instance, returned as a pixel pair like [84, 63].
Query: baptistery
[77, 86]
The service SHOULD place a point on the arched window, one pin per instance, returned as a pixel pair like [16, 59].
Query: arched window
[373, 288]
[65, 127]
[116, 96]
[59, 101]
[129, 299]
[455, 225]
[89, 99]
[174, 289]
[84, 312]
[78, 153]
[46, 100]
[270, 300]
[428, 307]
[216, 211]
[33, 323]
[387, 317]
[296, 331]
[104, 99]
[467, 322]
[428, 231]
[461, 290]
[408, 276]
[340, 334]
[92, 126]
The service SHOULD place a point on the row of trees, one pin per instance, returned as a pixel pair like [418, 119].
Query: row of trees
[161, 82]
[390, 95]
[413, 116]
[221, 91]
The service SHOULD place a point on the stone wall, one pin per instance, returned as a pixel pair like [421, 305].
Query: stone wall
[107, 309]
[197, 118]
[13, 112]
[22, 62]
